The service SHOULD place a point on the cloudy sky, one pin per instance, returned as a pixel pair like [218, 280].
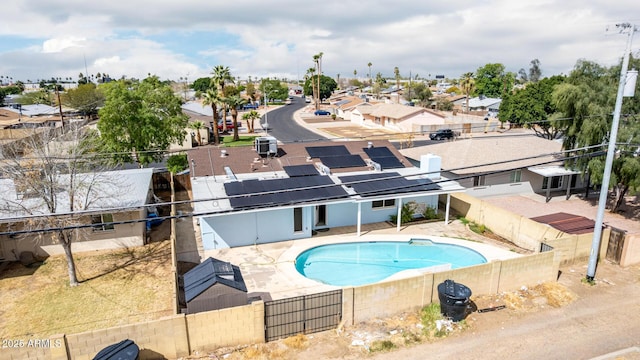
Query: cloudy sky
[172, 39]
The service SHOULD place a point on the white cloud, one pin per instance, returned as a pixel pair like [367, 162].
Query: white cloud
[61, 44]
[279, 38]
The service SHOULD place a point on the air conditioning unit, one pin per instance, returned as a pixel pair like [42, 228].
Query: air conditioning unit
[266, 145]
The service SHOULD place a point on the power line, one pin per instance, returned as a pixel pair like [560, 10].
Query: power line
[120, 209]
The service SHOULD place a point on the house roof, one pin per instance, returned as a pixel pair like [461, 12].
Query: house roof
[305, 174]
[111, 191]
[210, 272]
[486, 154]
[483, 102]
[198, 108]
[396, 111]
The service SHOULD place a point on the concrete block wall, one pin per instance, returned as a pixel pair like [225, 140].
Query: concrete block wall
[226, 327]
[388, 298]
[631, 251]
[165, 337]
[481, 279]
[520, 230]
[528, 271]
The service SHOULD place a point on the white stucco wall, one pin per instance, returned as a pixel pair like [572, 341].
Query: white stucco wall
[242, 229]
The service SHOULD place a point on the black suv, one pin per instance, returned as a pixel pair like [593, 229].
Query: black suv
[442, 134]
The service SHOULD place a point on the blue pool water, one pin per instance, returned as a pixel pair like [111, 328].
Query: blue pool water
[369, 262]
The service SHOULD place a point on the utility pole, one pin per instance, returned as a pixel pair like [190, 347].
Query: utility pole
[59, 105]
[611, 149]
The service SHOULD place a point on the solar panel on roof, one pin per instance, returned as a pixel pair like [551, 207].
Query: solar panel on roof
[344, 161]
[333, 150]
[384, 157]
[301, 170]
[261, 193]
[385, 183]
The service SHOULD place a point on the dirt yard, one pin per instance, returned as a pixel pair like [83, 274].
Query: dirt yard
[566, 320]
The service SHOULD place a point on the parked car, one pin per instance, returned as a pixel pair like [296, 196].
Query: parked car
[321, 113]
[442, 134]
[229, 124]
[249, 106]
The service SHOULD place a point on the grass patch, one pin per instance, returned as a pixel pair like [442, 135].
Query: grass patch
[429, 317]
[248, 140]
[382, 345]
[117, 287]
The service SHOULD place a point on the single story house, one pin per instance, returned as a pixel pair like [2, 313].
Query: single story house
[275, 192]
[214, 284]
[478, 162]
[111, 217]
[397, 117]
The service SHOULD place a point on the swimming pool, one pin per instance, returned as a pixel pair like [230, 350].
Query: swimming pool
[360, 263]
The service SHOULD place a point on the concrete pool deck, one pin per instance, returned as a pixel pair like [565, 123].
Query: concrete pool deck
[269, 269]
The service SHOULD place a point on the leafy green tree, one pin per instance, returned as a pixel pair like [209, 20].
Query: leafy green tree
[138, 122]
[2, 96]
[251, 92]
[202, 84]
[86, 98]
[421, 92]
[534, 71]
[532, 108]
[327, 86]
[586, 101]
[274, 89]
[492, 80]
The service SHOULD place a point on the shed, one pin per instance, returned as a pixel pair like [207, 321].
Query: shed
[212, 285]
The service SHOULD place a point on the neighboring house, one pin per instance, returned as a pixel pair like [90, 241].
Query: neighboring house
[29, 116]
[399, 118]
[345, 106]
[245, 196]
[114, 218]
[214, 284]
[482, 161]
[483, 104]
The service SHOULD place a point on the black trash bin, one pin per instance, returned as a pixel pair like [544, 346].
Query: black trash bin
[454, 300]
[124, 350]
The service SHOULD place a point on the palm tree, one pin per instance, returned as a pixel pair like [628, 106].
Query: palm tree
[211, 97]
[221, 76]
[396, 74]
[468, 85]
[317, 58]
[250, 117]
[369, 65]
[197, 125]
[234, 102]
[311, 72]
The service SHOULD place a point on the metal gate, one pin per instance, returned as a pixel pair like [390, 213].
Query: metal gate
[616, 245]
[302, 314]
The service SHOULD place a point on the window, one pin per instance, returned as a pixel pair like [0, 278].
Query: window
[376, 204]
[516, 176]
[102, 222]
[556, 182]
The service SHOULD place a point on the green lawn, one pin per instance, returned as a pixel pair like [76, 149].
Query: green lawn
[246, 140]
